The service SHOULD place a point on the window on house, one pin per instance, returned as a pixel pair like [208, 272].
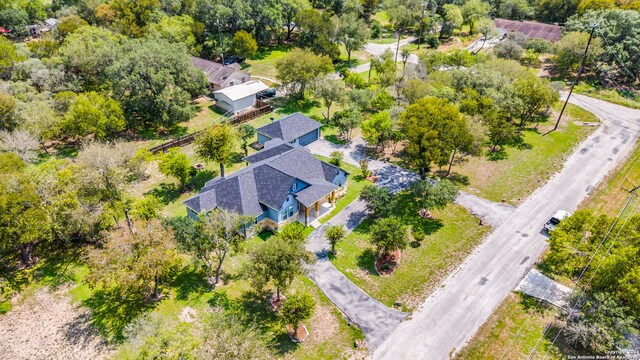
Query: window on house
[294, 187]
[284, 214]
[291, 211]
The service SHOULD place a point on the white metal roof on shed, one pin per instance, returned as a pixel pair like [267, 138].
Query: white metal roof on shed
[241, 91]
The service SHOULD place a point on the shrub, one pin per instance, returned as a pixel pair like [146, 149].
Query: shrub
[432, 41]
[336, 158]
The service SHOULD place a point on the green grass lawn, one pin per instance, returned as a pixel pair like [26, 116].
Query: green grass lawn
[609, 95]
[450, 238]
[263, 63]
[613, 192]
[524, 169]
[494, 338]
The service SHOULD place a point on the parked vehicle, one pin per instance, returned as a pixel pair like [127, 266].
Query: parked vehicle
[556, 219]
[233, 59]
[266, 94]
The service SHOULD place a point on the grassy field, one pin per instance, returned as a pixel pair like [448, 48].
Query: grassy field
[516, 173]
[494, 338]
[450, 238]
[613, 192]
[608, 95]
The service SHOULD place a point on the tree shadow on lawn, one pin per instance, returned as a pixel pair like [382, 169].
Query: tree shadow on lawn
[265, 52]
[335, 139]
[166, 193]
[58, 267]
[191, 280]
[252, 308]
[111, 312]
[201, 177]
[454, 177]
[366, 261]
[406, 208]
[289, 105]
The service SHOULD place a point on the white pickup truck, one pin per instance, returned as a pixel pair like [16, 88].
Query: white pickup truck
[555, 220]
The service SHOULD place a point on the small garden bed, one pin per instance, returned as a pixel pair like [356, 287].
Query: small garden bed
[386, 264]
[300, 336]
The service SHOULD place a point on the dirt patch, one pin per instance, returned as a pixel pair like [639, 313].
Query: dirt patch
[188, 315]
[300, 336]
[324, 325]
[46, 325]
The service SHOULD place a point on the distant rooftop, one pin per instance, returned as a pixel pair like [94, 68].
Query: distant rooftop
[243, 90]
[289, 127]
[531, 29]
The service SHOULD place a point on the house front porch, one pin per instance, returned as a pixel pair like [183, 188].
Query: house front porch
[308, 215]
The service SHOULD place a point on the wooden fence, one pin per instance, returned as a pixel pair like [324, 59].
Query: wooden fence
[261, 109]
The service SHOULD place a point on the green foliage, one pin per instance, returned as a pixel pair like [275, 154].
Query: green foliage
[330, 91]
[336, 157]
[243, 44]
[472, 11]
[147, 208]
[536, 95]
[377, 129]
[346, 120]
[570, 49]
[364, 168]
[386, 68]
[541, 46]
[44, 47]
[170, 82]
[245, 132]
[278, 261]
[435, 131]
[134, 263]
[432, 41]
[211, 238]
[335, 234]
[451, 19]
[299, 68]
[68, 25]
[599, 324]
[621, 33]
[516, 10]
[7, 111]
[176, 29]
[175, 163]
[433, 195]
[293, 233]
[508, 49]
[131, 17]
[217, 144]
[318, 32]
[353, 33]
[93, 113]
[8, 55]
[388, 235]
[24, 223]
[15, 20]
[378, 200]
[298, 308]
[383, 100]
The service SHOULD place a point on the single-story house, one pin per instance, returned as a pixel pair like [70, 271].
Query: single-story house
[239, 97]
[220, 76]
[283, 183]
[295, 129]
[533, 30]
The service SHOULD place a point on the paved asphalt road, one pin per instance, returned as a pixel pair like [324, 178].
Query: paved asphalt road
[451, 316]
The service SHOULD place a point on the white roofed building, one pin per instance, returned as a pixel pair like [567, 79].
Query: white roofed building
[239, 97]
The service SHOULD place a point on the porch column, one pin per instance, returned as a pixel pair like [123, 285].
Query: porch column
[317, 209]
[333, 196]
[306, 218]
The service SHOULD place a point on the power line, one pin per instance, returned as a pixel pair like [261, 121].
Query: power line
[584, 270]
[584, 288]
[548, 290]
[616, 56]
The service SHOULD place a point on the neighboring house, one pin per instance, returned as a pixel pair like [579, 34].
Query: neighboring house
[49, 25]
[283, 183]
[295, 129]
[220, 76]
[238, 97]
[533, 30]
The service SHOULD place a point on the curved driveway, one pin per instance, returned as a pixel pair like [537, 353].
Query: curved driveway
[451, 316]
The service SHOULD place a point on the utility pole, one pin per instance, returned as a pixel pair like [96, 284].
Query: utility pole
[584, 59]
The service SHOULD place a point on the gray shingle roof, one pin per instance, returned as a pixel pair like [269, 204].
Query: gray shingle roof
[267, 181]
[217, 73]
[290, 127]
[531, 29]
